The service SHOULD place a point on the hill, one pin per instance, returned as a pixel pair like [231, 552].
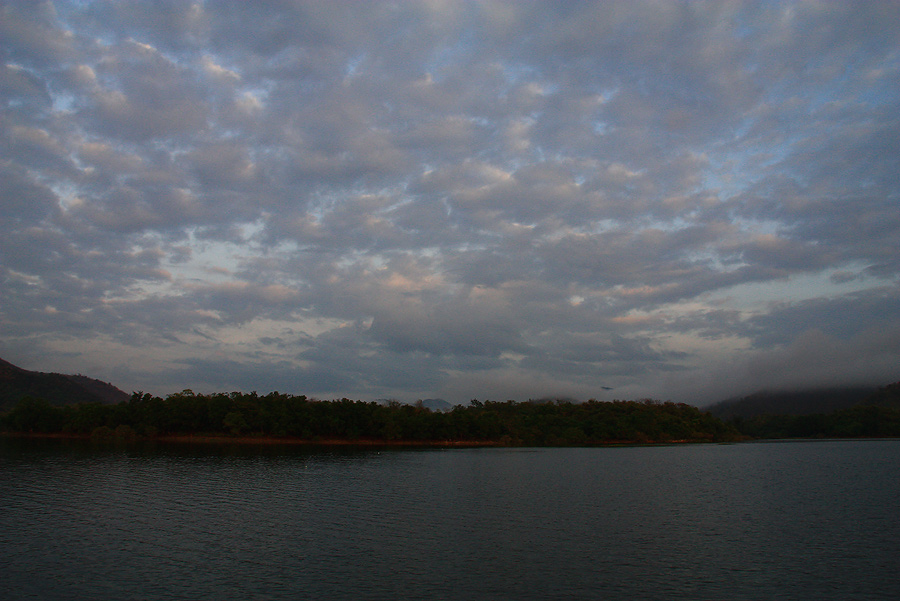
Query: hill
[57, 389]
[888, 396]
[436, 404]
[876, 415]
[794, 402]
[277, 416]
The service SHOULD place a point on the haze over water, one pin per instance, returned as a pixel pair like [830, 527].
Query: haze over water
[810, 520]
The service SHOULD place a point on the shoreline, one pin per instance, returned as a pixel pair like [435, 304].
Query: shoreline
[290, 441]
[252, 440]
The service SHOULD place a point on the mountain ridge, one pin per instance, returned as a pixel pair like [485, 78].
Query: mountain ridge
[808, 401]
[55, 388]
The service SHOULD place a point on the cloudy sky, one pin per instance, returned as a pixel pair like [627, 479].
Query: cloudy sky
[494, 200]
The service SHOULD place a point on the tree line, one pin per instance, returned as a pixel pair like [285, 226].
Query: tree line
[555, 423]
[863, 421]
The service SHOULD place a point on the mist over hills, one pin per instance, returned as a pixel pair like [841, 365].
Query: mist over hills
[805, 402]
[63, 389]
[57, 389]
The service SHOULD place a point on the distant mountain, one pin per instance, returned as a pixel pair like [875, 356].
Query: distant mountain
[795, 402]
[57, 389]
[437, 404]
[433, 404]
[888, 396]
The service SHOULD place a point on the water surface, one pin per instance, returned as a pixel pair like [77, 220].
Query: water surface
[786, 520]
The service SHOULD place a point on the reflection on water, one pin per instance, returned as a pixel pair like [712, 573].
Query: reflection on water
[751, 521]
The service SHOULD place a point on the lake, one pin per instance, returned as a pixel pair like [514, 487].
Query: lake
[777, 520]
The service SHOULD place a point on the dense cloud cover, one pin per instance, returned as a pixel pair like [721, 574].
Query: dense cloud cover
[502, 200]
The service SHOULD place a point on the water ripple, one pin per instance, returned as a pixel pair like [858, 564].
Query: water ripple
[696, 522]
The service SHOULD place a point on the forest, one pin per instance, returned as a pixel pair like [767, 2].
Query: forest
[276, 415]
[532, 423]
[864, 421]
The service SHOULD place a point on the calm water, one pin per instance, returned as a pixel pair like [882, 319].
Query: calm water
[811, 520]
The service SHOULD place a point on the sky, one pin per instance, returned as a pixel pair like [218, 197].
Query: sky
[684, 201]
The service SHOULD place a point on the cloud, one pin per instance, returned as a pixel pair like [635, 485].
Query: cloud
[813, 359]
[418, 200]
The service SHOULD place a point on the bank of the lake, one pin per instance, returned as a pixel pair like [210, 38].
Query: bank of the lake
[218, 439]
[283, 416]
